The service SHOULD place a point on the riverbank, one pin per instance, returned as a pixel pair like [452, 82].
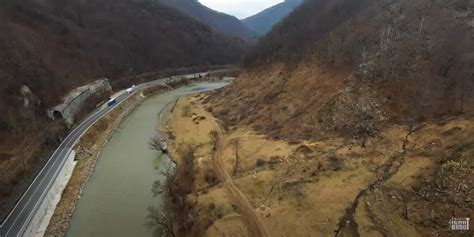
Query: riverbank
[390, 185]
[88, 150]
[216, 204]
[91, 144]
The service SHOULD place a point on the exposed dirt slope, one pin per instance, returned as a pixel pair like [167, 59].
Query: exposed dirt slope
[380, 97]
[345, 67]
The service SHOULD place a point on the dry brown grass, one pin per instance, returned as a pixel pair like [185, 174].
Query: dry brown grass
[308, 187]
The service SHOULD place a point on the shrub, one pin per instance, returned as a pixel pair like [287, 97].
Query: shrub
[186, 111]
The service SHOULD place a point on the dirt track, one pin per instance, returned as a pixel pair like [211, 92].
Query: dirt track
[244, 207]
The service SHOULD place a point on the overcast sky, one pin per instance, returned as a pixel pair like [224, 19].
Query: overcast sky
[239, 8]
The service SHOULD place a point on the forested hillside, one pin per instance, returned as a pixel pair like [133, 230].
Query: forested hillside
[219, 21]
[263, 22]
[51, 47]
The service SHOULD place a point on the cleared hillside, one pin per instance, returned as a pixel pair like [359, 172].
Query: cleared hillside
[383, 91]
[348, 67]
[263, 21]
[219, 21]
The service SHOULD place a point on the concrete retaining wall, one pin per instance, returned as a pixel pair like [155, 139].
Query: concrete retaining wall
[75, 100]
[40, 221]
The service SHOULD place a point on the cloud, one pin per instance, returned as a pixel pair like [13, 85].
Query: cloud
[240, 8]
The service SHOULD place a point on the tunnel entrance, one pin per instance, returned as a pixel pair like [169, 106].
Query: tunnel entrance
[57, 115]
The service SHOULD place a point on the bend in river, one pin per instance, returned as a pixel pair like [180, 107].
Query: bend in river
[118, 193]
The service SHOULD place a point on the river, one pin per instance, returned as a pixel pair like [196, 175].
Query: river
[116, 197]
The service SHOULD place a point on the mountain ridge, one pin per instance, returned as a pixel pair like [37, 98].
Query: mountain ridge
[263, 21]
[219, 21]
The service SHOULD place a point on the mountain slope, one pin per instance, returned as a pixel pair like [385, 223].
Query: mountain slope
[348, 67]
[218, 21]
[54, 46]
[384, 88]
[263, 22]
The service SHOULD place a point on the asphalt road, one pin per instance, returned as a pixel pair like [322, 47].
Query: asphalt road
[20, 216]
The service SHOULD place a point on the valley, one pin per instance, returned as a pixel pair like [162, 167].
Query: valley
[270, 118]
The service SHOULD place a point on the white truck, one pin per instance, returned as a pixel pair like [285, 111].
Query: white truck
[131, 89]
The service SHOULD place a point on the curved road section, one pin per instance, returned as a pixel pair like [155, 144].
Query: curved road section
[20, 216]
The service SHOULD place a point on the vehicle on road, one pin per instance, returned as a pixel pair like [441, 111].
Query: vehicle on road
[26, 209]
[111, 102]
[131, 89]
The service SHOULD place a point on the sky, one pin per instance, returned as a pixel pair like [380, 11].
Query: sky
[240, 8]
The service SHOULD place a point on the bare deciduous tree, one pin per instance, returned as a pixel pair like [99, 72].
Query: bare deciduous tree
[236, 143]
[157, 219]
